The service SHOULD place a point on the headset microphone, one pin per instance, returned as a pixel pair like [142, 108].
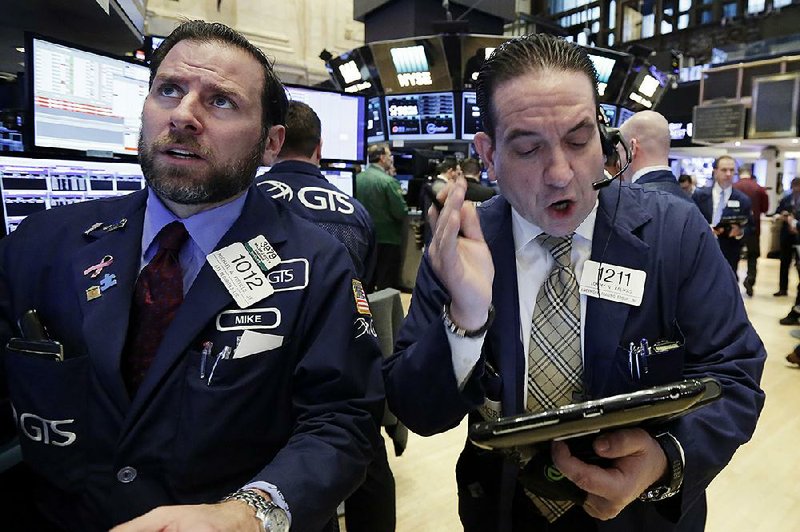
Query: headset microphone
[609, 138]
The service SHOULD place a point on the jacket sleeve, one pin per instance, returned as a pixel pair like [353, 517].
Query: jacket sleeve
[337, 400]
[421, 386]
[720, 342]
[394, 197]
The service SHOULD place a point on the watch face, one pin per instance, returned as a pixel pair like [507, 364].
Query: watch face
[277, 520]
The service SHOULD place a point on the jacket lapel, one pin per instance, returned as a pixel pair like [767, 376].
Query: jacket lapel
[205, 299]
[504, 336]
[105, 319]
[605, 320]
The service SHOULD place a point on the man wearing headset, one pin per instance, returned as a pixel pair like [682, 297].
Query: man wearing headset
[499, 327]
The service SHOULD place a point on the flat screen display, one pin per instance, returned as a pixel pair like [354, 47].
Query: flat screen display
[421, 116]
[610, 112]
[470, 115]
[341, 179]
[412, 65]
[342, 117]
[376, 128]
[604, 66]
[84, 100]
[29, 185]
[624, 115]
[775, 102]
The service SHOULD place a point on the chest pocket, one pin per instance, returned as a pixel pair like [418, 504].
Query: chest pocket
[234, 418]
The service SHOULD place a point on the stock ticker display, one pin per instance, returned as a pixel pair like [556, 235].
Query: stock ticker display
[30, 185]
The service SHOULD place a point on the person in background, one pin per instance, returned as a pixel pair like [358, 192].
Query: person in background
[296, 179]
[759, 203]
[725, 209]
[214, 375]
[647, 135]
[788, 210]
[686, 183]
[498, 327]
[447, 170]
[476, 192]
[381, 195]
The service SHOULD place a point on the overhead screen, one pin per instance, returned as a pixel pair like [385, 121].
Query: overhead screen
[470, 115]
[376, 125]
[84, 100]
[342, 117]
[775, 106]
[413, 65]
[421, 116]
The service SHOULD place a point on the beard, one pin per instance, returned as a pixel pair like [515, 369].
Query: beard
[183, 186]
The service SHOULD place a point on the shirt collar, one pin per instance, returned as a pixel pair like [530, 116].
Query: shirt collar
[205, 228]
[525, 231]
[715, 189]
[647, 169]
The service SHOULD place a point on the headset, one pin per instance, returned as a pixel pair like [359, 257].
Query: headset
[609, 138]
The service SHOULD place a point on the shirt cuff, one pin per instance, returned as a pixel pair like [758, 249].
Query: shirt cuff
[274, 493]
[465, 353]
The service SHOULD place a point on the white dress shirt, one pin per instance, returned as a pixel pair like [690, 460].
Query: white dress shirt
[533, 265]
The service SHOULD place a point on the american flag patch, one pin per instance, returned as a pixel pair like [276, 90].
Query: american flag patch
[362, 305]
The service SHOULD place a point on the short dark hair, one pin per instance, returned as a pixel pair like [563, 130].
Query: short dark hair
[303, 131]
[718, 159]
[449, 163]
[685, 178]
[471, 166]
[273, 98]
[521, 55]
[375, 152]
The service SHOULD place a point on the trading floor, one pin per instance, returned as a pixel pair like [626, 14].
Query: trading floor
[757, 491]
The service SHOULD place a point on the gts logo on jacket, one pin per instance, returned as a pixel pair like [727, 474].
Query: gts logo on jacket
[46, 431]
[314, 198]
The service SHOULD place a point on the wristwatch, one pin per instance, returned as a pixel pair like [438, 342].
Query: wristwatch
[454, 328]
[272, 516]
[671, 483]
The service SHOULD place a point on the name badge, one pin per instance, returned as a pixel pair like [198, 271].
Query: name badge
[263, 252]
[240, 274]
[251, 319]
[733, 204]
[614, 283]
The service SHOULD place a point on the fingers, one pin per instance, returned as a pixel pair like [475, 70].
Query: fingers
[620, 443]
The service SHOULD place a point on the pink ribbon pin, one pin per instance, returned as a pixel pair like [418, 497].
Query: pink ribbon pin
[97, 268]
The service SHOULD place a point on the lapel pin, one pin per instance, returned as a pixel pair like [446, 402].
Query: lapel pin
[108, 281]
[113, 227]
[97, 268]
[93, 292]
[94, 227]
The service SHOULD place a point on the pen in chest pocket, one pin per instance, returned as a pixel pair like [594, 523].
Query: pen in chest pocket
[224, 354]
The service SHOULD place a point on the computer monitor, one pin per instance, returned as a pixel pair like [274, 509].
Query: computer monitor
[624, 115]
[428, 116]
[612, 71]
[376, 125]
[412, 65]
[610, 112]
[470, 115]
[29, 185]
[344, 180]
[84, 100]
[343, 121]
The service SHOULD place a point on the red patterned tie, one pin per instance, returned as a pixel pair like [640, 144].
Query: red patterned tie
[157, 296]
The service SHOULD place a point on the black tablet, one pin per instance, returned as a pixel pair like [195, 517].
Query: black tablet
[643, 407]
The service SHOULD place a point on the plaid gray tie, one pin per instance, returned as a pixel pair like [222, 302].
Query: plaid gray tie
[554, 354]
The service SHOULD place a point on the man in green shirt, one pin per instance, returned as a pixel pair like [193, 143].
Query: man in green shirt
[380, 194]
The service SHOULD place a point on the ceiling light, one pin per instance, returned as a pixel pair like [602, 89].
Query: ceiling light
[20, 49]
